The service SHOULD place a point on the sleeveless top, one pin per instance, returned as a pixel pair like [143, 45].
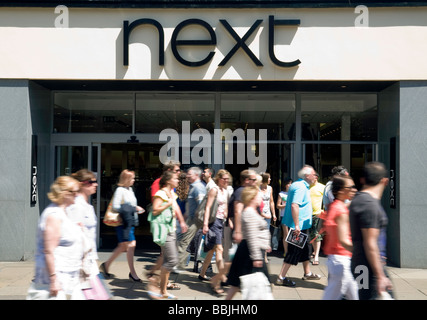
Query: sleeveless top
[222, 199]
[265, 195]
[69, 252]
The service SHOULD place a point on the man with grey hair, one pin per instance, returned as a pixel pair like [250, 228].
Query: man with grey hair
[298, 216]
[195, 196]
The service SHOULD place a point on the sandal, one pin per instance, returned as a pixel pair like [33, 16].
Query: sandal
[315, 262]
[155, 295]
[311, 276]
[205, 278]
[169, 297]
[173, 286]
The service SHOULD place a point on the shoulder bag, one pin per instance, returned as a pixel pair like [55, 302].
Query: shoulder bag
[200, 211]
[112, 217]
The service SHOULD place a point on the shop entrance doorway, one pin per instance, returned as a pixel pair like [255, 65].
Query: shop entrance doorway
[144, 160]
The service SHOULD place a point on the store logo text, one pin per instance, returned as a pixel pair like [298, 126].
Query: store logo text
[212, 41]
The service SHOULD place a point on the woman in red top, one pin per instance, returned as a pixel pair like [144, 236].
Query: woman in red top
[338, 245]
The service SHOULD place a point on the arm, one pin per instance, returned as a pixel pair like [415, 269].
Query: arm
[211, 197]
[159, 205]
[237, 234]
[280, 204]
[370, 244]
[51, 238]
[117, 199]
[295, 216]
[273, 211]
[343, 235]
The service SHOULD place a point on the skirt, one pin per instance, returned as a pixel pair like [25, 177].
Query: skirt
[243, 265]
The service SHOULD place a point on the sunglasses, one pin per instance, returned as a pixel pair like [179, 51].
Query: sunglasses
[351, 187]
[73, 191]
[90, 182]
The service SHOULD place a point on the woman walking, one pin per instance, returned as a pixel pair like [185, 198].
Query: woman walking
[60, 249]
[124, 201]
[164, 203]
[338, 245]
[250, 254]
[220, 194]
[83, 212]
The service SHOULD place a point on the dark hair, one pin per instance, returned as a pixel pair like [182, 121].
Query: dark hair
[338, 183]
[340, 170]
[211, 170]
[373, 173]
[167, 175]
[265, 177]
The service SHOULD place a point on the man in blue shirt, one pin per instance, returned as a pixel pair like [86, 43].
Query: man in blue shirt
[298, 213]
[196, 194]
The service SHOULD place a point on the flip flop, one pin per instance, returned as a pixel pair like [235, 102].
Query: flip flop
[155, 295]
[169, 297]
[315, 262]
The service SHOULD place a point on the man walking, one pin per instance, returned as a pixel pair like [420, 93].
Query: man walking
[298, 215]
[195, 196]
[368, 223]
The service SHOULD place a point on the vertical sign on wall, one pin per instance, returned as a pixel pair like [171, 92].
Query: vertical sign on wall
[392, 182]
[33, 194]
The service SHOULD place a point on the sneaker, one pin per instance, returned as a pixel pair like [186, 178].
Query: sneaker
[285, 282]
[311, 276]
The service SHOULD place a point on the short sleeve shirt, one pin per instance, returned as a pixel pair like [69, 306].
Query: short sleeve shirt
[366, 212]
[196, 194]
[299, 193]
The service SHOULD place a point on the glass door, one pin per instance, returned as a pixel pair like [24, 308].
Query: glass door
[71, 158]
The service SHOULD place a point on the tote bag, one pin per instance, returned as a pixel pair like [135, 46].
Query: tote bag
[255, 286]
[161, 225]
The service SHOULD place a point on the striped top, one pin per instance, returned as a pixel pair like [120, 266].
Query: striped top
[256, 233]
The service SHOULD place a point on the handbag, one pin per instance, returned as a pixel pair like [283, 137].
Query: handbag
[255, 286]
[98, 289]
[112, 217]
[161, 225]
[200, 211]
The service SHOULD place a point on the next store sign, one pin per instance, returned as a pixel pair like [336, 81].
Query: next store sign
[240, 42]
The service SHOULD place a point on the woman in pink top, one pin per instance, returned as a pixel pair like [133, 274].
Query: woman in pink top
[338, 245]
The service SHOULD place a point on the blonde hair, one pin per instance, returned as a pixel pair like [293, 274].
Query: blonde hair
[248, 194]
[258, 181]
[125, 176]
[59, 187]
[220, 174]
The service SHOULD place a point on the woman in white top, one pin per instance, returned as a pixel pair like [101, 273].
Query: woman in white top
[83, 212]
[268, 211]
[59, 254]
[220, 192]
[125, 198]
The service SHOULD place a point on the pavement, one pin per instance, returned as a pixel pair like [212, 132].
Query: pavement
[15, 278]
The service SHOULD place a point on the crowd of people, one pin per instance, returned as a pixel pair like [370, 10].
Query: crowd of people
[200, 210]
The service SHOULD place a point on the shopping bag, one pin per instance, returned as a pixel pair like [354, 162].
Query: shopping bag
[255, 286]
[98, 289]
